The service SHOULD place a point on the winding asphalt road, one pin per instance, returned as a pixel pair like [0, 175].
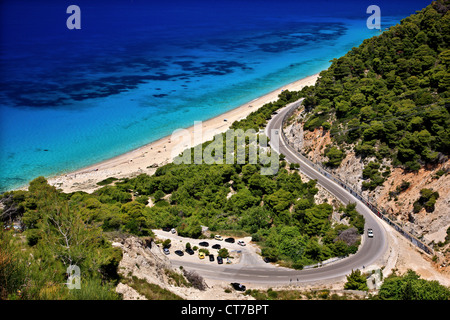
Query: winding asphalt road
[254, 270]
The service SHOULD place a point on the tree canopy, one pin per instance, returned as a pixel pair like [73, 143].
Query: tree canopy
[389, 97]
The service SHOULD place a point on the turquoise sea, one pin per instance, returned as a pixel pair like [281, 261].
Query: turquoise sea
[137, 70]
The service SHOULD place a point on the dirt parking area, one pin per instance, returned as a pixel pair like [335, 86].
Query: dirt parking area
[179, 243]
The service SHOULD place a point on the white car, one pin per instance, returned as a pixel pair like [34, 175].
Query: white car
[241, 243]
[370, 233]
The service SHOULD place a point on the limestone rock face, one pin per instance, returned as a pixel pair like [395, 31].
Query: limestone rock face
[431, 227]
[145, 260]
[129, 293]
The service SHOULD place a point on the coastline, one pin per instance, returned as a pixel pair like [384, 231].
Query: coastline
[149, 157]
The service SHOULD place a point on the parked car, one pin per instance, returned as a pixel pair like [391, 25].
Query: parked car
[173, 230]
[189, 251]
[266, 260]
[179, 253]
[211, 257]
[204, 244]
[230, 240]
[216, 246]
[238, 286]
[370, 233]
[201, 255]
[218, 237]
[167, 229]
[219, 260]
[166, 251]
[241, 243]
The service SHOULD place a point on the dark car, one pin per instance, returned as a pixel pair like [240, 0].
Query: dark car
[216, 246]
[167, 228]
[238, 286]
[179, 253]
[219, 260]
[204, 244]
[190, 251]
[230, 240]
[211, 257]
[267, 260]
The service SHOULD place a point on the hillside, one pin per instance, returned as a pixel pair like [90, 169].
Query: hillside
[289, 218]
[147, 273]
[379, 119]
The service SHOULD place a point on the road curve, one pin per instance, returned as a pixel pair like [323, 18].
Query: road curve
[250, 272]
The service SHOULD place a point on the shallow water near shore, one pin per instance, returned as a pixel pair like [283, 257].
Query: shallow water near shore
[138, 70]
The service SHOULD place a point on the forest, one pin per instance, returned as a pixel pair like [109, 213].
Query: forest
[59, 229]
[388, 99]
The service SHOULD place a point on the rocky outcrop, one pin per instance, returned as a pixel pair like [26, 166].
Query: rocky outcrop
[143, 259]
[431, 227]
[128, 293]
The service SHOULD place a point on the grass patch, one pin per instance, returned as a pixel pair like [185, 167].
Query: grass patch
[271, 294]
[177, 279]
[232, 233]
[107, 181]
[151, 291]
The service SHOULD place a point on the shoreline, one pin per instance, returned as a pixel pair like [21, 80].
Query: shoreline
[147, 158]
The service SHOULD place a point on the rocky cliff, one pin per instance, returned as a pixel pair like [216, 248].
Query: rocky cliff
[396, 195]
[143, 259]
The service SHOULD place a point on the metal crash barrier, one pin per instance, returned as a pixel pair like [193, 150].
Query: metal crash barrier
[381, 213]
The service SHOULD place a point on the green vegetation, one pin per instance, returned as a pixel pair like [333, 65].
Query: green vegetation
[395, 287]
[106, 181]
[401, 188]
[335, 156]
[372, 174]
[166, 243]
[57, 234]
[427, 200]
[60, 229]
[411, 287]
[389, 97]
[446, 240]
[223, 253]
[258, 119]
[38, 272]
[150, 291]
[356, 281]
[271, 294]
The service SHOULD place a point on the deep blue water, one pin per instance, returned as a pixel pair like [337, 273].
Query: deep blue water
[137, 70]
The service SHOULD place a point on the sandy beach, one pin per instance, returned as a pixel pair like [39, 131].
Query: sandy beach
[148, 158]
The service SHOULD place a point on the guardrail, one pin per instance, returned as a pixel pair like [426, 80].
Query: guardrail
[381, 213]
[323, 263]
